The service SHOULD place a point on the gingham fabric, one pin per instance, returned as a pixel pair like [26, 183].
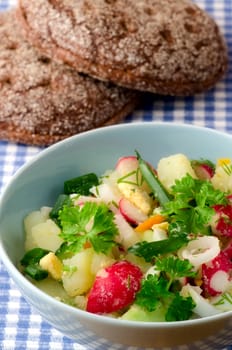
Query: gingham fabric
[20, 326]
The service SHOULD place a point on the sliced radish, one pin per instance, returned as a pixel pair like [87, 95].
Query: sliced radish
[228, 249]
[220, 281]
[203, 170]
[115, 288]
[129, 174]
[216, 275]
[222, 221]
[130, 212]
[126, 165]
[183, 281]
[127, 235]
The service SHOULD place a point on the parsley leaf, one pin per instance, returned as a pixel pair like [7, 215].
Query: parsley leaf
[68, 249]
[93, 222]
[157, 289]
[180, 308]
[175, 267]
[192, 203]
[178, 229]
[152, 290]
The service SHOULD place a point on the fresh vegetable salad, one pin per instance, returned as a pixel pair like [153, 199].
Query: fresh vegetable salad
[138, 243]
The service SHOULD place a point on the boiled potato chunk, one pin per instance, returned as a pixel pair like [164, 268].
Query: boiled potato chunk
[174, 168]
[34, 218]
[54, 289]
[81, 301]
[77, 277]
[222, 179]
[100, 261]
[46, 235]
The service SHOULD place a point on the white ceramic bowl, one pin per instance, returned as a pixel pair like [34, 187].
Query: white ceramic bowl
[40, 181]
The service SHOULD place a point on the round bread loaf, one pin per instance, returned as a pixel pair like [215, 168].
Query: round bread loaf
[162, 46]
[42, 102]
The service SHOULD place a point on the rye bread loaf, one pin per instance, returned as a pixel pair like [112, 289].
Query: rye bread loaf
[162, 46]
[42, 102]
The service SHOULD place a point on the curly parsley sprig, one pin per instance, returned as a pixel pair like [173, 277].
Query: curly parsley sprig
[192, 203]
[157, 289]
[91, 223]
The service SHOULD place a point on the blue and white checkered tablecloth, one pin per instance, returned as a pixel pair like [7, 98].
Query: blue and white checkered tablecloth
[20, 326]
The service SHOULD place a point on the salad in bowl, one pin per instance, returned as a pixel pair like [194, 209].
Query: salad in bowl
[142, 242]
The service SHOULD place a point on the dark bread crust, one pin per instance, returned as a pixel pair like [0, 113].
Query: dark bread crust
[42, 102]
[163, 46]
[12, 133]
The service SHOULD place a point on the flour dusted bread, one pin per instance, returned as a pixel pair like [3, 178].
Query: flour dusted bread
[162, 46]
[42, 102]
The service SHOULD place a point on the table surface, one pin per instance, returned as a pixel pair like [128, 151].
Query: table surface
[20, 326]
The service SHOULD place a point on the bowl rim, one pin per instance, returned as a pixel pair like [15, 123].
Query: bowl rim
[103, 129]
[17, 276]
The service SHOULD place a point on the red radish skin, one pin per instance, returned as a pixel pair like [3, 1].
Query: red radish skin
[203, 171]
[228, 249]
[183, 281]
[115, 287]
[223, 220]
[219, 264]
[127, 165]
[130, 212]
[126, 233]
